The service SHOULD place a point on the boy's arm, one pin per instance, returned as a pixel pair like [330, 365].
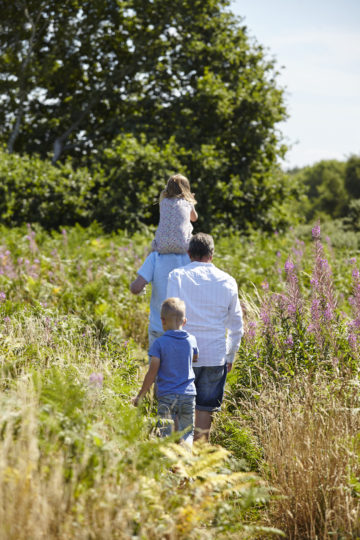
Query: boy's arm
[148, 380]
[195, 349]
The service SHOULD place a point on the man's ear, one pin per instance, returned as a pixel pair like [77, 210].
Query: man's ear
[184, 321]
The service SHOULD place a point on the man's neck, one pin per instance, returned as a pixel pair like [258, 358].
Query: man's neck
[202, 259]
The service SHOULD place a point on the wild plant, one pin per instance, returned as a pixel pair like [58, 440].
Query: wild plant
[299, 329]
[308, 431]
[77, 461]
[294, 390]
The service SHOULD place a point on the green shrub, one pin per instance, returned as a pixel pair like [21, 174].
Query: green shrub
[34, 191]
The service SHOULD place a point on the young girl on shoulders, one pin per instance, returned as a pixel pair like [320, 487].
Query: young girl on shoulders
[177, 211]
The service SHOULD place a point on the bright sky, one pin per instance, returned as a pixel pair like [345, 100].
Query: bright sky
[318, 44]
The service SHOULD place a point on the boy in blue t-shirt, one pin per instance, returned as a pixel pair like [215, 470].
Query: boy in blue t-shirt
[171, 358]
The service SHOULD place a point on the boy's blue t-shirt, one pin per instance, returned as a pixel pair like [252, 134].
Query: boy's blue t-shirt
[156, 269]
[175, 349]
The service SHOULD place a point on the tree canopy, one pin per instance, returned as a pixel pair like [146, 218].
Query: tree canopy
[76, 76]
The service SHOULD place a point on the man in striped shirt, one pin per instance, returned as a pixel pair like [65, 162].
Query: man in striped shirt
[214, 317]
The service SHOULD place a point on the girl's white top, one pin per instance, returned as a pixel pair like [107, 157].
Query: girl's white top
[174, 230]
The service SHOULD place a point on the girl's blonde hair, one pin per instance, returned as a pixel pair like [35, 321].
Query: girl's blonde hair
[178, 186]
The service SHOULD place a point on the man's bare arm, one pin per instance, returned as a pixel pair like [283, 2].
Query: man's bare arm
[138, 285]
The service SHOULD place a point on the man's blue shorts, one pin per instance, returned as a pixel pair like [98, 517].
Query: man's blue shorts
[210, 385]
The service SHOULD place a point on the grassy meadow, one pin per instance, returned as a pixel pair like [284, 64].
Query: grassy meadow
[78, 461]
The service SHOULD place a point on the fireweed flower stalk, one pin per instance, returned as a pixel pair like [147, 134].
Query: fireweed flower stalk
[293, 298]
[354, 301]
[323, 301]
[7, 266]
[31, 238]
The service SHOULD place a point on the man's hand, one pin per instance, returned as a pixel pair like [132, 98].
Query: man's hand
[138, 285]
[229, 366]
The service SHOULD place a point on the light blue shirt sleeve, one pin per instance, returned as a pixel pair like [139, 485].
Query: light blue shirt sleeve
[147, 269]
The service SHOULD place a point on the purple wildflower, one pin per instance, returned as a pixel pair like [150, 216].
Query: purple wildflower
[291, 308]
[315, 306]
[328, 313]
[265, 317]
[289, 265]
[352, 340]
[311, 328]
[251, 331]
[323, 264]
[289, 341]
[316, 231]
[2, 296]
[96, 379]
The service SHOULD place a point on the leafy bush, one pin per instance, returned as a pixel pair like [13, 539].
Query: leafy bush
[34, 191]
[133, 172]
[122, 189]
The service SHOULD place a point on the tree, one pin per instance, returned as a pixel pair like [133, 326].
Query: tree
[352, 177]
[154, 70]
[324, 185]
[18, 65]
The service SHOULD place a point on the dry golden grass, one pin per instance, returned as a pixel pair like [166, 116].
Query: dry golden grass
[79, 462]
[309, 435]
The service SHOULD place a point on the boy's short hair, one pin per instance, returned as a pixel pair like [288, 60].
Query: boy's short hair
[173, 308]
[201, 245]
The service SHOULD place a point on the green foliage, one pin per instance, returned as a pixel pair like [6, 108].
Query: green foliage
[324, 185]
[70, 360]
[352, 220]
[146, 89]
[34, 191]
[231, 432]
[352, 177]
[133, 174]
[86, 455]
[134, 171]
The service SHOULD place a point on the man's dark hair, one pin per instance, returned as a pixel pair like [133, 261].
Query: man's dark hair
[201, 245]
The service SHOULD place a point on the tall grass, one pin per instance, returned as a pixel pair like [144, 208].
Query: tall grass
[78, 461]
[106, 493]
[296, 390]
[309, 435]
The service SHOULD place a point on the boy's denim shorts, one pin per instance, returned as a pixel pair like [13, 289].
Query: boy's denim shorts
[210, 385]
[181, 407]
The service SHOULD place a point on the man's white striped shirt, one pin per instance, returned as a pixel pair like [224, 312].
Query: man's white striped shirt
[213, 310]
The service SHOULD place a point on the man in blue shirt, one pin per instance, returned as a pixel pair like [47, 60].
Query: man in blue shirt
[171, 358]
[155, 270]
